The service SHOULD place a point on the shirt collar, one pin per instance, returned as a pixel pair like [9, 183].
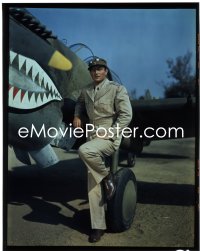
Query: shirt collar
[101, 84]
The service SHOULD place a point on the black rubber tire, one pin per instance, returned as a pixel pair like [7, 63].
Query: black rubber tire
[121, 208]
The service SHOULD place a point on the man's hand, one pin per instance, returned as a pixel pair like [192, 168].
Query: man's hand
[76, 122]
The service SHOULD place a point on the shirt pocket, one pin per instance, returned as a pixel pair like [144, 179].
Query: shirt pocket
[106, 106]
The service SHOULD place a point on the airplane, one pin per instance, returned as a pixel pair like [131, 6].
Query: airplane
[45, 79]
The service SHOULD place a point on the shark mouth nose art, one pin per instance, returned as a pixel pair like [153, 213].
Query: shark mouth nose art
[29, 85]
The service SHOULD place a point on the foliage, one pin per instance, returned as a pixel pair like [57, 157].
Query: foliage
[133, 94]
[147, 94]
[182, 82]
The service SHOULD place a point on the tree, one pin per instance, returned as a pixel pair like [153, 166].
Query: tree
[133, 94]
[147, 94]
[182, 82]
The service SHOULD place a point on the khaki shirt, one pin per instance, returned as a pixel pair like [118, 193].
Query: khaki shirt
[106, 107]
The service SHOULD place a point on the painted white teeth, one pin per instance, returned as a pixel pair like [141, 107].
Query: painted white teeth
[29, 69]
[12, 56]
[21, 60]
[28, 66]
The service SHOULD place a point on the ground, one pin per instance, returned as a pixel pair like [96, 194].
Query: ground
[51, 208]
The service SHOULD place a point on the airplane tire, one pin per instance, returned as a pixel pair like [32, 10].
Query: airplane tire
[121, 208]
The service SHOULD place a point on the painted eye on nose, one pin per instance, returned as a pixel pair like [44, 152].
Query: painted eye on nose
[60, 62]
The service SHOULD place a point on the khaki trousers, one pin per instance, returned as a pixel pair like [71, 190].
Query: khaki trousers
[93, 153]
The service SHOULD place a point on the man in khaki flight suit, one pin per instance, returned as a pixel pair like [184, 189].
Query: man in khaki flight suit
[107, 105]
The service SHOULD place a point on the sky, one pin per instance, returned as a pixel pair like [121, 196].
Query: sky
[135, 42]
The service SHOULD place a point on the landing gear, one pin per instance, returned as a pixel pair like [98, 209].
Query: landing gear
[121, 208]
[131, 160]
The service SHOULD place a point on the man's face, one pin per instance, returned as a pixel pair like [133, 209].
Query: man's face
[98, 73]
